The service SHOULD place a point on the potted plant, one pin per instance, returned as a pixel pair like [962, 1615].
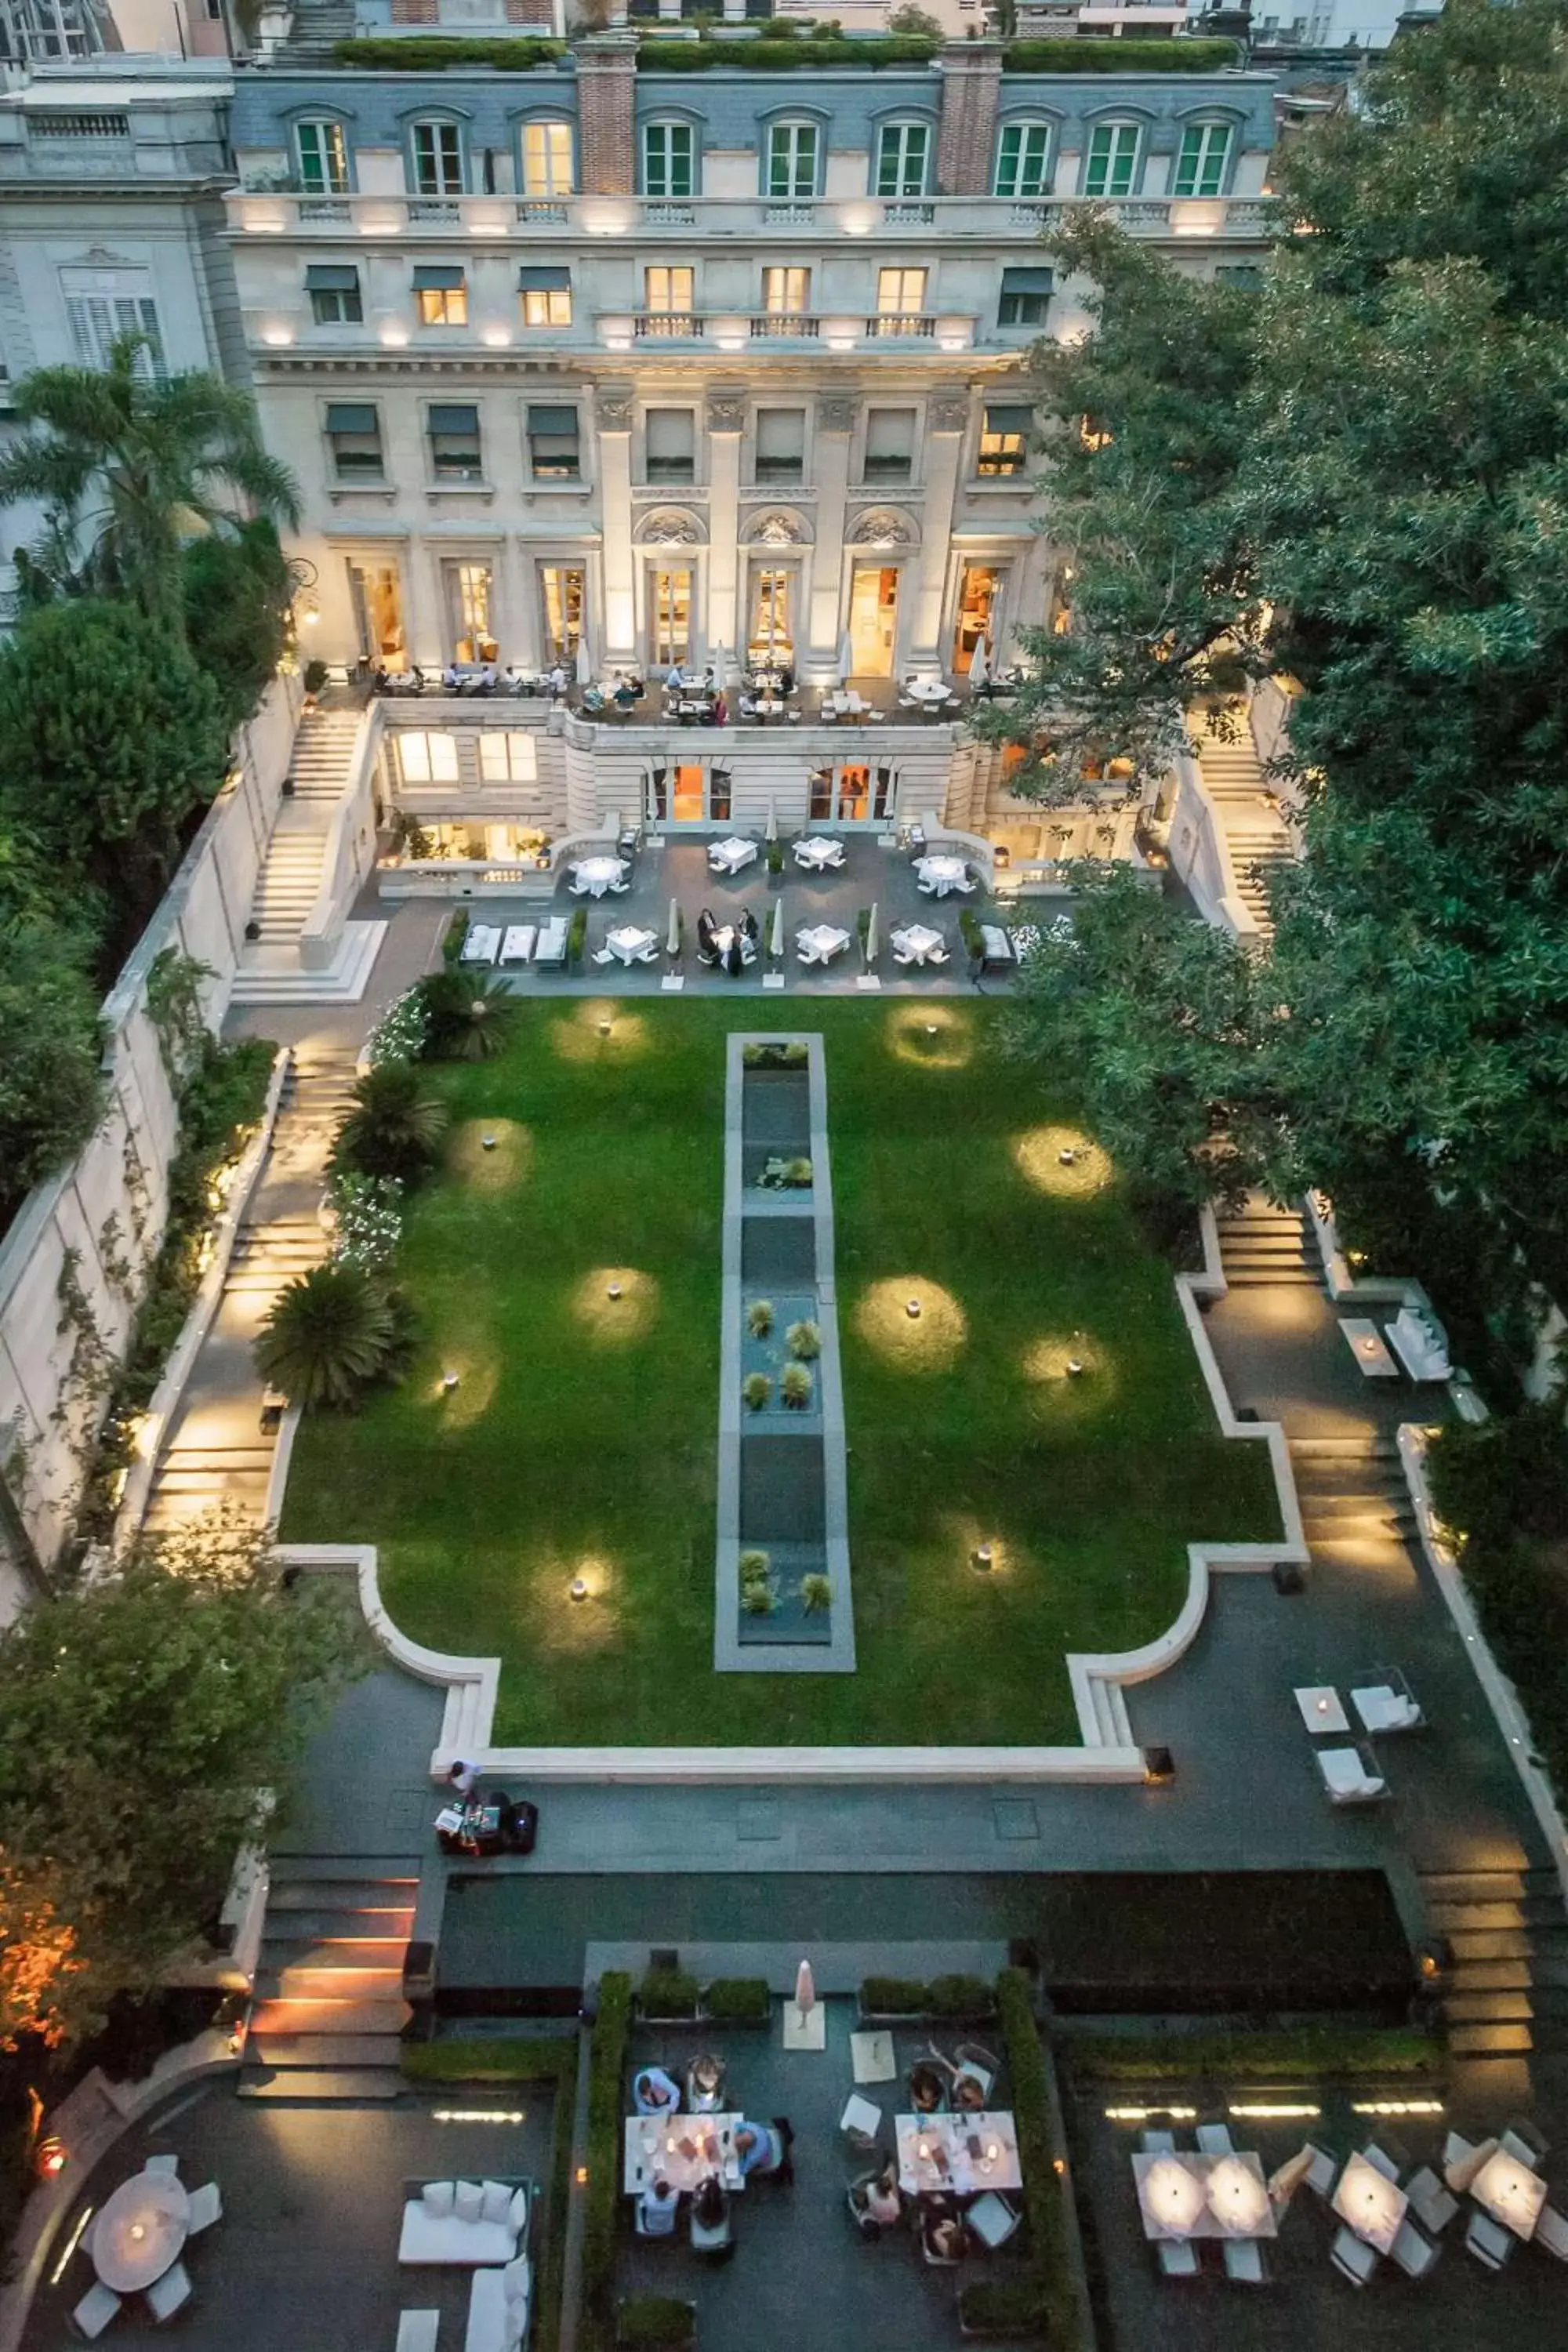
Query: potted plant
[738, 2001]
[753, 1566]
[756, 1388]
[760, 1318]
[315, 680]
[953, 1998]
[757, 1599]
[892, 1997]
[796, 1385]
[775, 854]
[804, 1341]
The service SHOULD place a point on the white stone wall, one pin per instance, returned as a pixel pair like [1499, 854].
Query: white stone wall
[109, 1206]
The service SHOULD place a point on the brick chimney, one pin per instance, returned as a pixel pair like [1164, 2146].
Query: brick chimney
[606, 90]
[970, 88]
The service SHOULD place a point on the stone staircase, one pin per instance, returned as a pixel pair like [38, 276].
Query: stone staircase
[318, 26]
[1353, 1491]
[286, 886]
[328, 2007]
[1257, 836]
[1262, 1245]
[1507, 1993]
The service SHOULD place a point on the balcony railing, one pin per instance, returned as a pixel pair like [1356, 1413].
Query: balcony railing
[668, 327]
[886, 325]
[785, 325]
[728, 331]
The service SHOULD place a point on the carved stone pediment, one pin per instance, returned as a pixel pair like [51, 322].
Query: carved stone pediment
[881, 527]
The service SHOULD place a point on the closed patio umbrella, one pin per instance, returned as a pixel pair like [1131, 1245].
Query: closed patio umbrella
[871, 938]
[584, 663]
[776, 930]
[805, 1989]
[672, 937]
[772, 831]
[979, 666]
[846, 659]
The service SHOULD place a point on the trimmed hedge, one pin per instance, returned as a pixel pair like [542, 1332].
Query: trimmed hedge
[1005, 2308]
[1299, 2054]
[601, 2205]
[780, 56]
[738, 2001]
[647, 2321]
[1103, 56]
[1043, 2186]
[894, 1996]
[667, 1992]
[533, 2058]
[435, 52]
[959, 1996]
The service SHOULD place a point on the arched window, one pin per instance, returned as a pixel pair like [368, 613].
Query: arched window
[794, 160]
[1201, 160]
[436, 157]
[1023, 159]
[547, 168]
[1113, 158]
[668, 159]
[903, 158]
[324, 157]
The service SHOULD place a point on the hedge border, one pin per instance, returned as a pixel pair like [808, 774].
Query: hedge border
[1291, 2054]
[601, 2204]
[1044, 2187]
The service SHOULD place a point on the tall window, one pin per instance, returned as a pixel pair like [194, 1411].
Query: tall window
[103, 304]
[667, 301]
[1113, 165]
[442, 295]
[902, 151]
[791, 160]
[555, 452]
[323, 158]
[854, 793]
[669, 616]
[668, 160]
[771, 632]
[468, 601]
[561, 600]
[976, 603]
[354, 436]
[901, 301]
[819, 795]
[334, 290]
[546, 291]
[786, 293]
[780, 445]
[1003, 438]
[427, 758]
[889, 445]
[508, 757]
[437, 150]
[455, 453]
[547, 159]
[669, 446]
[1200, 165]
[1023, 159]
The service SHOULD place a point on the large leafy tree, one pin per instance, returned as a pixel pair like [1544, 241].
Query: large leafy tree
[141, 1720]
[237, 590]
[129, 465]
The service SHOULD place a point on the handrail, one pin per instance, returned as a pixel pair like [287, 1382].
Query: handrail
[322, 926]
[1198, 838]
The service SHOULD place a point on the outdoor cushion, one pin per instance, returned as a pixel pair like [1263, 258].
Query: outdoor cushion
[517, 2213]
[517, 2279]
[462, 2244]
[495, 2199]
[490, 2323]
[438, 2199]
[469, 2201]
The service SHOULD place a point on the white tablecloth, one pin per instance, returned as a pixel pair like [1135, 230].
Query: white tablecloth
[731, 854]
[930, 690]
[817, 850]
[629, 944]
[1510, 2192]
[915, 940]
[598, 874]
[140, 2231]
[948, 2165]
[943, 873]
[654, 2146]
[1187, 2195]
[821, 944]
[725, 939]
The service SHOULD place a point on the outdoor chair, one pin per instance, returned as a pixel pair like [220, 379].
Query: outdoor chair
[1388, 2157]
[1321, 2172]
[1430, 2201]
[927, 2089]
[1353, 2257]
[578, 890]
[1286, 2177]
[932, 2254]
[1463, 2158]
[855, 2198]
[206, 2207]
[1413, 2253]
[92, 2315]
[992, 2220]
[1552, 2232]
[861, 2123]
[616, 889]
[1488, 2242]
[1524, 2143]
[417, 2330]
[1244, 2261]
[603, 955]
[167, 2168]
[651, 2237]
[1157, 2143]
[714, 2241]
[648, 955]
[902, 956]
[1215, 2139]
[936, 955]
[705, 2085]
[170, 2293]
[1178, 2258]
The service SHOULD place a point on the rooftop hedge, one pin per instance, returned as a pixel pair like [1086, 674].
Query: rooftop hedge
[433, 53]
[1092, 57]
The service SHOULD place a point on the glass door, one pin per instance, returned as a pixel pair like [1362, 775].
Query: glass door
[378, 614]
[977, 596]
[772, 637]
[469, 600]
[873, 619]
[561, 594]
[670, 618]
[687, 802]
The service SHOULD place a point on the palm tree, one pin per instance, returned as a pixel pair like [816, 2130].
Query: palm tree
[327, 1336]
[129, 465]
[395, 1126]
[470, 1014]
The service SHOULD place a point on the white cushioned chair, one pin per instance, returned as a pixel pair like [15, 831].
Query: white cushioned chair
[446, 2223]
[98, 2306]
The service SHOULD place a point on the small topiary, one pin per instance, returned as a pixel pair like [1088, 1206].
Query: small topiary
[816, 1594]
[795, 1386]
[756, 1387]
[753, 1566]
[760, 1318]
[757, 1599]
[804, 1341]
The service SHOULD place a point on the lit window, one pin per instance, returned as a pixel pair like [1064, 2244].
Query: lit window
[323, 158]
[560, 593]
[1112, 162]
[507, 758]
[437, 150]
[546, 296]
[1200, 166]
[668, 297]
[1004, 435]
[1023, 159]
[547, 159]
[442, 295]
[427, 758]
[900, 302]
[454, 428]
[786, 293]
[902, 151]
[791, 160]
[668, 159]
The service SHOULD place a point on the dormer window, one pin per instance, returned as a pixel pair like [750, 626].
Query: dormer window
[903, 152]
[1110, 168]
[323, 158]
[436, 150]
[793, 151]
[1201, 162]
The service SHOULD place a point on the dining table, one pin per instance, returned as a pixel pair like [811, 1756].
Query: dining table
[1190, 2195]
[916, 941]
[681, 2149]
[1511, 2192]
[821, 943]
[598, 875]
[1370, 2202]
[631, 944]
[724, 937]
[931, 691]
[817, 850]
[729, 857]
[957, 2155]
[942, 874]
[139, 2231]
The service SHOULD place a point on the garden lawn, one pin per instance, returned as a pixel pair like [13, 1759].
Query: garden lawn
[581, 1437]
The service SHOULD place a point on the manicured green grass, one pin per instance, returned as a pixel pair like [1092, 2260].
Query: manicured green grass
[581, 1436]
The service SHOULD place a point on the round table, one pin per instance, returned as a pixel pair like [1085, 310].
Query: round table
[140, 2231]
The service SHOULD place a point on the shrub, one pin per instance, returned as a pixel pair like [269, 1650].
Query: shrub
[328, 1334]
[959, 1996]
[452, 938]
[1043, 2186]
[468, 1015]
[892, 1997]
[667, 1992]
[968, 931]
[816, 1594]
[760, 1318]
[757, 1598]
[370, 1219]
[399, 1035]
[395, 1126]
[645, 2322]
[772, 56]
[774, 852]
[738, 2001]
[1003, 2307]
[804, 1341]
[796, 1385]
[753, 1566]
[435, 53]
[756, 1388]
[576, 937]
[1089, 56]
[601, 2206]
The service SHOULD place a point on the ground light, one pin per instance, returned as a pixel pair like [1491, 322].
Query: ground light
[1061, 1161]
[911, 1323]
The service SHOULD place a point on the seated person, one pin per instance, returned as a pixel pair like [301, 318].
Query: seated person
[655, 2092]
[876, 2202]
[710, 2206]
[968, 2090]
[927, 2090]
[705, 2085]
[657, 2210]
[753, 2145]
[942, 2229]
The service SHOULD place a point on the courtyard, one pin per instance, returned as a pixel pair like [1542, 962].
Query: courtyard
[569, 1277]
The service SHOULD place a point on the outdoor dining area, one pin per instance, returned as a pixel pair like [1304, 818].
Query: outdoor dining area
[136, 2242]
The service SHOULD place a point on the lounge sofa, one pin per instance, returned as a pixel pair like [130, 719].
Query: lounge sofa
[498, 2308]
[464, 2222]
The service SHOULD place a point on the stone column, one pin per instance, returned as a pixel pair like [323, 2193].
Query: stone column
[966, 141]
[836, 413]
[947, 419]
[606, 91]
[726, 422]
[613, 430]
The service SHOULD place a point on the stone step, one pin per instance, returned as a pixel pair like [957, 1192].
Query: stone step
[344, 1898]
[1505, 1911]
[290, 1952]
[1489, 2008]
[316, 1979]
[300, 2087]
[323, 2050]
[352, 1926]
[1490, 2041]
[1490, 1944]
[1492, 1975]
[374, 1872]
[291, 2014]
[1471, 1886]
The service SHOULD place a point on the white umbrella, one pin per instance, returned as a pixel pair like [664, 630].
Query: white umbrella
[846, 659]
[776, 933]
[673, 939]
[871, 938]
[804, 1989]
[1171, 2195]
[772, 831]
[1236, 2195]
[584, 663]
[979, 664]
